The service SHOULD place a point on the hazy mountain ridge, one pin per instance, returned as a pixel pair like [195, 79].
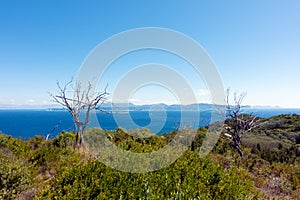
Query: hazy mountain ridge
[132, 107]
[161, 106]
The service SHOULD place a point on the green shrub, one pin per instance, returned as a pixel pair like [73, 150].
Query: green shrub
[187, 178]
[14, 178]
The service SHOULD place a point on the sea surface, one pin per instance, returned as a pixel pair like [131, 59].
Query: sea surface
[28, 123]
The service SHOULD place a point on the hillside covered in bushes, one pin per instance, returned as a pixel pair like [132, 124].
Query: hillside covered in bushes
[53, 169]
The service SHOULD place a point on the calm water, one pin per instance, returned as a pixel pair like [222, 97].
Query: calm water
[27, 123]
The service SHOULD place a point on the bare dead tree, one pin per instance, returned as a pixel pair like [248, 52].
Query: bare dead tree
[238, 123]
[82, 102]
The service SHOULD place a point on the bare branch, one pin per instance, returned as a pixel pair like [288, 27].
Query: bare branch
[237, 123]
[82, 101]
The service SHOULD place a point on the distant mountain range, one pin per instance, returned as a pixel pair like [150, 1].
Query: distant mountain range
[28, 106]
[132, 107]
[120, 107]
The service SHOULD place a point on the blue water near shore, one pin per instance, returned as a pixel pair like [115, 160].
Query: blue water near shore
[28, 123]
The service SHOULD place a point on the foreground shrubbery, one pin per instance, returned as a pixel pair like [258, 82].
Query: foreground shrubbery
[188, 178]
[54, 170]
[27, 166]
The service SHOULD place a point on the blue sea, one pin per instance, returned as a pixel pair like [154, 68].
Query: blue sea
[28, 123]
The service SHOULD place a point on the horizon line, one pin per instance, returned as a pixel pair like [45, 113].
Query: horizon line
[57, 106]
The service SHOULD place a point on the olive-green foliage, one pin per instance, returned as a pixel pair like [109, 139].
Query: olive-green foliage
[55, 170]
[188, 178]
[137, 141]
[30, 164]
[14, 175]
[14, 178]
[14, 171]
[65, 139]
[198, 140]
[281, 127]
[12, 145]
[276, 139]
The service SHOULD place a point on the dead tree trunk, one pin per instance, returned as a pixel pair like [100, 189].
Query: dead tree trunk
[238, 123]
[80, 104]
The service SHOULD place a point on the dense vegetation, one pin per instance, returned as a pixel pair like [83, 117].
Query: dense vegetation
[277, 139]
[39, 169]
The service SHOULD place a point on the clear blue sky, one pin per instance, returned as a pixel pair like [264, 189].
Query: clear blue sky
[255, 44]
